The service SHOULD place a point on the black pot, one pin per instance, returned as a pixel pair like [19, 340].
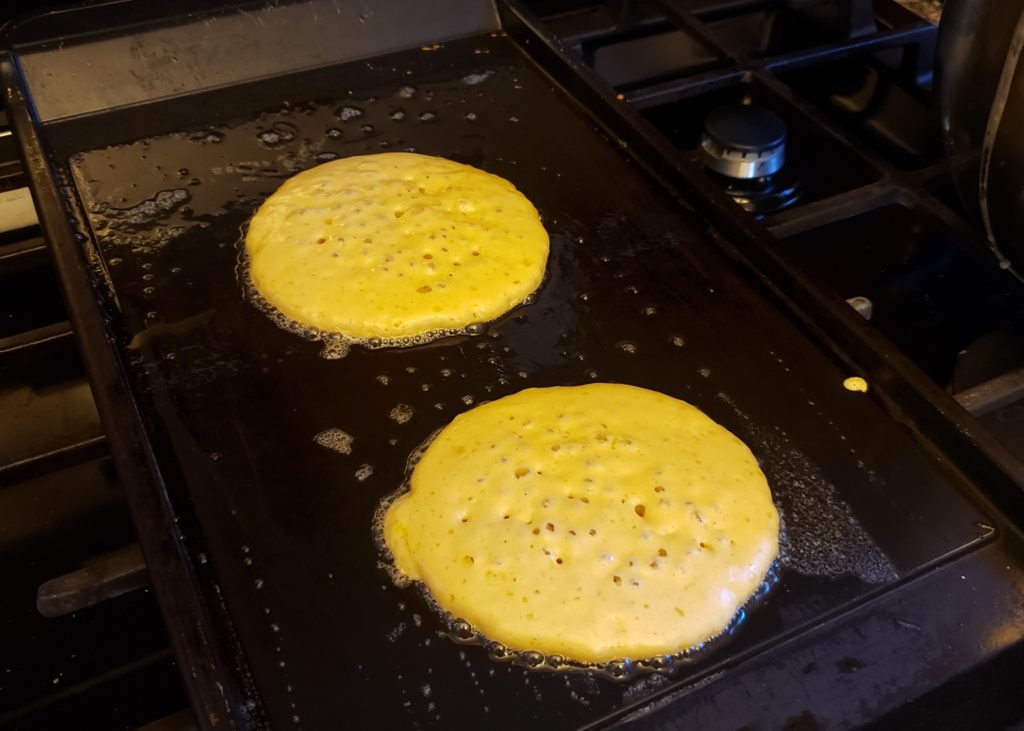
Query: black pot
[980, 88]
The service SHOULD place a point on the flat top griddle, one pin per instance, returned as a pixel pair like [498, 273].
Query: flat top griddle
[278, 528]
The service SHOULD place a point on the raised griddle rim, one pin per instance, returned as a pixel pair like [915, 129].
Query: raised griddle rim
[213, 668]
[961, 443]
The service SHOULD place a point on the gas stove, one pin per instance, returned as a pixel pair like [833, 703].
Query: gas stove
[805, 131]
[819, 122]
[83, 643]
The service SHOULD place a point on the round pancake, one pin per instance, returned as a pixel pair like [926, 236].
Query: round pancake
[395, 245]
[595, 522]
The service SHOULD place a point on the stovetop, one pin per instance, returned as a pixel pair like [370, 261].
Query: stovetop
[875, 220]
[82, 643]
[876, 224]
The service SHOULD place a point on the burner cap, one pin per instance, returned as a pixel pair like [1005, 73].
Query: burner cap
[742, 141]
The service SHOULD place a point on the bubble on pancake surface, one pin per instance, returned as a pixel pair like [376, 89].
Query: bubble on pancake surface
[579, 527]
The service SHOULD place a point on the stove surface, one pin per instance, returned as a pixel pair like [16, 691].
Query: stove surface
[867, 216]
[863, 206]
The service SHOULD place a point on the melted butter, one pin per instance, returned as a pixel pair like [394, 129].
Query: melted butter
[595, 522]
[395, 245]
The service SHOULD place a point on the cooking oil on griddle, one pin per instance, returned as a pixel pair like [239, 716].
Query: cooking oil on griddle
[337, 440]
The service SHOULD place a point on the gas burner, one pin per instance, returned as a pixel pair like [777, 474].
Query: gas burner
[743, 141]
[744, 147]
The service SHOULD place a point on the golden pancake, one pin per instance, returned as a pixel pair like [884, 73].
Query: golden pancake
[595, 522]
[395, 245]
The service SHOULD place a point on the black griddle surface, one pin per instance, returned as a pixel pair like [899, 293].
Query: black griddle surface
[636, 293]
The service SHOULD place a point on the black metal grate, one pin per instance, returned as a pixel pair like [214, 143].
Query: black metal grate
[108, 664]
[864, 140]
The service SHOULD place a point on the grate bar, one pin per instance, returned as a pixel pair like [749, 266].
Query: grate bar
[991, 395]
[102, 578]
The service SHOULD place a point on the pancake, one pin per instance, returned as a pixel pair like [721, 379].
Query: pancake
[395, 245]
[595, 522]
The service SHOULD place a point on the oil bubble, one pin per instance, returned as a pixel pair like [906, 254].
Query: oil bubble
[618, 668]
[533, 658]
[477, 79]
[497, 651]
[207, 134]
[627, 346]
[461, 629]
[401, 413]
[364, 472]
[335, 349]
[148, 211]
[277, 135]
[346, 114]
[335, 439]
